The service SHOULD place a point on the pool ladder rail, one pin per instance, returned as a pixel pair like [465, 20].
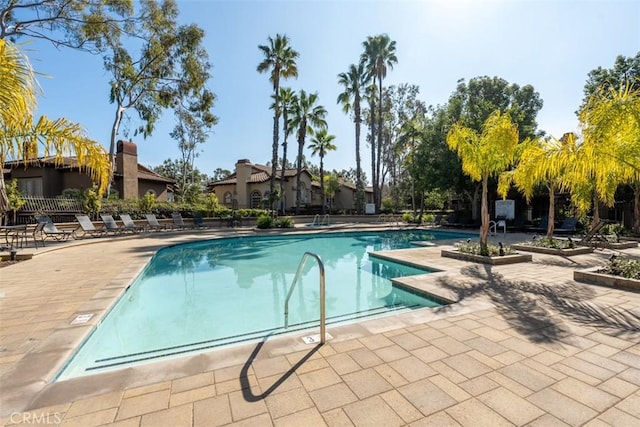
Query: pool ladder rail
[303, 261]
[317, 220]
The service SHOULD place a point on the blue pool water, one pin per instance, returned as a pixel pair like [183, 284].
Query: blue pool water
[198, 296]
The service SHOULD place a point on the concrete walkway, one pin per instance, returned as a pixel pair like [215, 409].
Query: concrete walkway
[523, 345]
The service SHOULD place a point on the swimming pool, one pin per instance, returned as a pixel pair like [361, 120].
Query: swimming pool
[197, 296]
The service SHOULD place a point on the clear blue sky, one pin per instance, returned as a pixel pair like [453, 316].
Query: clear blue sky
[551, 45]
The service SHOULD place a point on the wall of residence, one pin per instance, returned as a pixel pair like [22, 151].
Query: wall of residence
[157, 188]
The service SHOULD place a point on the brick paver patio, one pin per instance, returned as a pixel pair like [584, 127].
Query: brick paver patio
[523, 345]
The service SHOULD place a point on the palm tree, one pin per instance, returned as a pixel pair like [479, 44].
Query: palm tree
[411, 132]
[544, 162]
[288, 99]
[280, 59]
[611, 149]
[483, 155]
[354, 82]
[19, 135]
[307, 116]
[370, 92]
[379, 53]
[320, 145]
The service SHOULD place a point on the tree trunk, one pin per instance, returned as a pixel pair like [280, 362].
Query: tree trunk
[322, 184]
[285, 130]
[372, 123]
[551, 216]
[112, 145]
[359, 186]
[274, 156]
[484, 213]
[378, 184]
[301, 137]
[596, 210]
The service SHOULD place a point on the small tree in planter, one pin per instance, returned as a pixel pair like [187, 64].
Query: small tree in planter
[485, 155]
[15, 198]
[91, 202]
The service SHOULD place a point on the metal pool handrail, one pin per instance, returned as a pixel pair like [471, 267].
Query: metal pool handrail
[322, 302]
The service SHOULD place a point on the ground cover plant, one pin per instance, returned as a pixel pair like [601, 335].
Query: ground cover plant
[474, 248]
[623, 267]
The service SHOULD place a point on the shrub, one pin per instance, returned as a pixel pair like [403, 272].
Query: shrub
[264, 221]
[473, 248]
[91, 202]
[147, 202]
[387, 205]
[284, 222]
[71, 193]
[623, 267]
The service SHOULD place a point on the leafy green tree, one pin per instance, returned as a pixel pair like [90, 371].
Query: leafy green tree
[485, 154]
[379, 54]
[172, 66]
[280, 61]
[472, 103]
[14, 196]
[601, 81]
[351, 175]
[307, 117]
[194, 123]
[76, 24]
[321, 145]
[189, 180]
[20, 137]
[602, 84]
[331, 184]
[354, 82]
[220, 173]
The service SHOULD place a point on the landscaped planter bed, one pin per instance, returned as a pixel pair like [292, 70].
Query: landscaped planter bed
[592, 277]
[493, 260]
[615, 245]
[580, 250]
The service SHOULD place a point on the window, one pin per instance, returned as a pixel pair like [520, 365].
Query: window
[227, 198]
[256, 198]
[30, 186]
[304, 195]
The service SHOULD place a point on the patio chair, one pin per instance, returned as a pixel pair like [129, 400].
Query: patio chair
[198, 221]
[178, 222]
[153, 224]
[128, 224]
[568, 226]
[111, 225]
[88, 228]
[46, 229]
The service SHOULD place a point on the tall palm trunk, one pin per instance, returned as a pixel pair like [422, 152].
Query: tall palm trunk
[322, 181]
[359, 186]
[301, 136]
[378, 188]
[285, 129]
[372, 123]
[274, 151]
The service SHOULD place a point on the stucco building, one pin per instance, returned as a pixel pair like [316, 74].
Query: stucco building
[42, 177]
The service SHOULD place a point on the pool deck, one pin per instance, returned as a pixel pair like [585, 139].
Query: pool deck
[524, 344]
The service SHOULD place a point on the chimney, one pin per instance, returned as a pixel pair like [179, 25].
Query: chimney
[243, 174]
[127, 168]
